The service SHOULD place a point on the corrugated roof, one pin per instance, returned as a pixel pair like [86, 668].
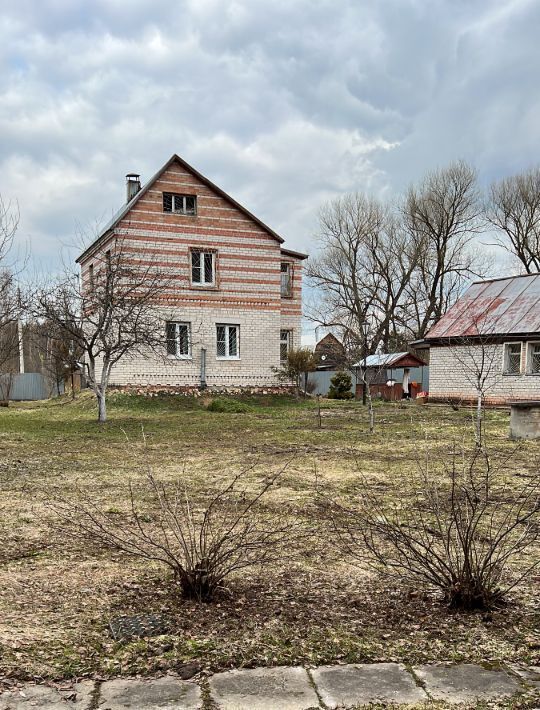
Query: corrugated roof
[380, 359]
[497, 307]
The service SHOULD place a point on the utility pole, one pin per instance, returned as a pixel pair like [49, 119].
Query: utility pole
[21, 345]
[364, 326]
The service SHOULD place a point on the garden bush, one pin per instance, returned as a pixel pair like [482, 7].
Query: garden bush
[460, 528]
[340, 386]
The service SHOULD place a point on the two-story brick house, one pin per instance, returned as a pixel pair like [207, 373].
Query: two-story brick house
[236, 305]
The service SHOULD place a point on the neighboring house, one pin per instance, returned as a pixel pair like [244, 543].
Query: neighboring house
[330, 353]
[393, 375]
[494, 327]
[238, 291]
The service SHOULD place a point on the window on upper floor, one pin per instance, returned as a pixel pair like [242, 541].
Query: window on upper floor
[178, 339]
[227, 341]
[512, 358]
[179, 204]
[286, 279]
[285, 341]
[533, 358]
[203, 268]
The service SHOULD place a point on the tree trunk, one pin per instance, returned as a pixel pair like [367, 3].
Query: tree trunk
[371, 412]
[102, 406]
[478, 422]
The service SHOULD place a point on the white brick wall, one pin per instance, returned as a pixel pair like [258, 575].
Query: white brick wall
[259, 351]
[450, 375]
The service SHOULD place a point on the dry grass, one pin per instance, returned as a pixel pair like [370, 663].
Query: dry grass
[56, 599]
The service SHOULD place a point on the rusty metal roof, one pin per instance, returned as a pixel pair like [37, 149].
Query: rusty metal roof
[508, 306]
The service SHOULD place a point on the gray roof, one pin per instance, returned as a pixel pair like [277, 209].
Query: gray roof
[378, 360]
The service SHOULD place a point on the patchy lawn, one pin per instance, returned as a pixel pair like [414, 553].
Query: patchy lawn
[57, 597]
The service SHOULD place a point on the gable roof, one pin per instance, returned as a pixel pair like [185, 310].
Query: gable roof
[329, 340]
[176, 158]
[506, 306]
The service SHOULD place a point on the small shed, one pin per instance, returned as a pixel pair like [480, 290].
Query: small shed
[393, 376]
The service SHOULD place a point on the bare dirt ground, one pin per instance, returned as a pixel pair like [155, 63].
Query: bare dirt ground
[57, 596]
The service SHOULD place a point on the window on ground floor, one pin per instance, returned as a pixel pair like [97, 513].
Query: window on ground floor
[178, 339]
[228, 341]
[512, 358]
[285, 343]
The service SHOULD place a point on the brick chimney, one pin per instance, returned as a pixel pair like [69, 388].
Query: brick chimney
[133, 185]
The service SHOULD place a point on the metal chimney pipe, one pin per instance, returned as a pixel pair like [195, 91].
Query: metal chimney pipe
[133, 185]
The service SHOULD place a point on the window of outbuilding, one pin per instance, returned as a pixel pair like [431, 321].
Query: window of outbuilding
[512, 358]
[534, 358]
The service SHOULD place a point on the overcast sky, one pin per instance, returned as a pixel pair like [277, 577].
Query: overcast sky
[283, 103]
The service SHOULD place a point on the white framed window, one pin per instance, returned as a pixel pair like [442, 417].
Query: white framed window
[178, 340]
[286, 279]
[203, 268]
[227, 341]
[285, 342]
[512, 358]
[533, 358]
[179, 204]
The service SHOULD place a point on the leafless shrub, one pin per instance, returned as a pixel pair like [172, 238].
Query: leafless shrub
[201, 544]
[458, 530]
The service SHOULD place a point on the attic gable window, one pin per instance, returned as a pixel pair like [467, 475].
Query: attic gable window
[179, 204]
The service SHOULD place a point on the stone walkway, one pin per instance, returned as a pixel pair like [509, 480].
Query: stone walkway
[286, 688]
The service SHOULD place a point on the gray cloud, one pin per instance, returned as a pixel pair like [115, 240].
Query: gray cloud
[284, 104]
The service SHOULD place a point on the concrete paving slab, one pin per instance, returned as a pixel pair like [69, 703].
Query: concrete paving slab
[167, 693]
[466, 682]
[41, 696]
[530, 674]
[263, 689]
[361, 684]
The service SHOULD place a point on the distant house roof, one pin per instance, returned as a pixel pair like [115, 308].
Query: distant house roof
[507, 306]
[390, 360]
[176, 158]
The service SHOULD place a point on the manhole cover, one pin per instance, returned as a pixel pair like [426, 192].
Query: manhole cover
[139, 626]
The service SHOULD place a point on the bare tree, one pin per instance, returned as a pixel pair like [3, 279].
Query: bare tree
[111, 313]
[10, 297]
[363, 271]
[442, 216]
[513, 208]
[400, 269]
[478, 355]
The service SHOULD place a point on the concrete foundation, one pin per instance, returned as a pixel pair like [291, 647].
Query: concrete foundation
[525, 419]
